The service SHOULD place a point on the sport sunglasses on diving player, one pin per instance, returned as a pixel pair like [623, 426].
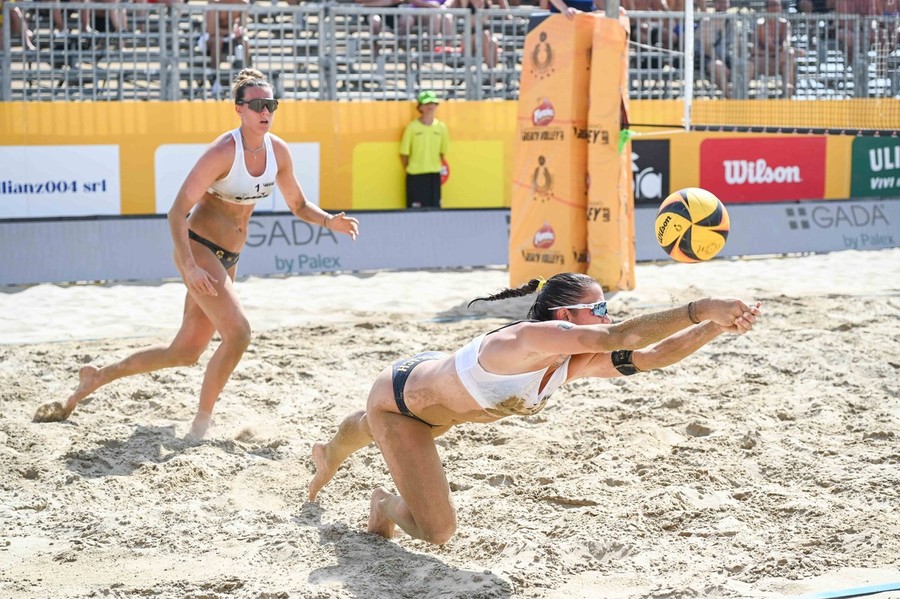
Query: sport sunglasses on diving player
[597, 308]
[257, 104]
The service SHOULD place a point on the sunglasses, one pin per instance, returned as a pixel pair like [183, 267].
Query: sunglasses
[257, 104]
[597, 308]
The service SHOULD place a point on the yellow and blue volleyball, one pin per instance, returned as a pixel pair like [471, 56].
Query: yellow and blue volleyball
[692, 225]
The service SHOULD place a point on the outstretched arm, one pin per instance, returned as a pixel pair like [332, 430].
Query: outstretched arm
[640, 331]
[665, 353]
[669, 351]
[557, 337]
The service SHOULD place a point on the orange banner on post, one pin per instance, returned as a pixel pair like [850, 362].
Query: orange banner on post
[548, 234]
[610, 210]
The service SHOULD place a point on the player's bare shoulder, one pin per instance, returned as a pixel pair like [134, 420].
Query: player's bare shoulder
[220, 152]
[281, 149]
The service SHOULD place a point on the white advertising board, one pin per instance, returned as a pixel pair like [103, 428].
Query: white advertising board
[139, 248]
[825, 226]
[50, 181]
[173, 162]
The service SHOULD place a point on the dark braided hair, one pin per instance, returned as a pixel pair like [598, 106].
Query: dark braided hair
[563, 289]
[248, 78]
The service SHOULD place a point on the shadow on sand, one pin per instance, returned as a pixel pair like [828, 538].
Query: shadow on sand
[147, 445]
[370, 566]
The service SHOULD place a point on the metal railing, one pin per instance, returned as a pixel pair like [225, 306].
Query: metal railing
[335, 51]
[310, 51]
[749, 54]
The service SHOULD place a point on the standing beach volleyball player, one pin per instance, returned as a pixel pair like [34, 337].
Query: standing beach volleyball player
[208, 222]
[512, 370]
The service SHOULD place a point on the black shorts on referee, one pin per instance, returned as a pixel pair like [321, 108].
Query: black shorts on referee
[423, 191]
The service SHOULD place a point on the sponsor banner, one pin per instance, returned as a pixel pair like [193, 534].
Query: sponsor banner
[824, 226]
[875, 167]
[547, 228]
[610, 226]
[555, 72]
[276, 244]
[768, 169]
[543, 125]
[650, 168]
[50, 181]
[433, 239]
[547, 225]
[173, 162]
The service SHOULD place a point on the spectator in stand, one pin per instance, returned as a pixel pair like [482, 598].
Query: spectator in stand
[441, 24]
[570, 8]
[815, 7]
[490, 40]
[377, 23]
[848, 29]
[60, 18]
[226, 32]
[103, 20]
[646, 31]
[18, 27]
[678, 7]
[772, 51]
[166, 2]
[888, 39]
[717, 38]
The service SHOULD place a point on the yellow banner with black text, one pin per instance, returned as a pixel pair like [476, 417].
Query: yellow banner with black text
[566, 150]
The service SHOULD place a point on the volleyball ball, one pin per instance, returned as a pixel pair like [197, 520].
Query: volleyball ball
[692, 225]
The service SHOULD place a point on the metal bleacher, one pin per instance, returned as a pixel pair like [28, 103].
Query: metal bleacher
[333, 50]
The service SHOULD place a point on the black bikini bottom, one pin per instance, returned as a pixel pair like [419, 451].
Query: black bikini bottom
[228, 259]
[400, 372]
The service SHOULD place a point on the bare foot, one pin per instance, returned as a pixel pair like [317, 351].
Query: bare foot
[379, 524]
[201, 424]
[325, 470]
[88, 381]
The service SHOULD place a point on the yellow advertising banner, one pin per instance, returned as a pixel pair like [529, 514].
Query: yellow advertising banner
[131, 157]
[610, 210]
[547, 221]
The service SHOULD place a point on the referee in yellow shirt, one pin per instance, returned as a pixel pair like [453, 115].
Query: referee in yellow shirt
[423, 147]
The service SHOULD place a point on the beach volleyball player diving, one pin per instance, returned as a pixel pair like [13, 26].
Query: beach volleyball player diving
[513, 370]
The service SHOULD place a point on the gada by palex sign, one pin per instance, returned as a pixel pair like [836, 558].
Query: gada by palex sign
[771, 169]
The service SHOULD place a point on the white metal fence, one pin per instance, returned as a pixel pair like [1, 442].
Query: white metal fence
[310, 51]
[336, 51]
[749, 54]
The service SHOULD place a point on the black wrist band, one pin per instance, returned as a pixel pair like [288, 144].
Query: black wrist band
[621, 359]
[691, 313]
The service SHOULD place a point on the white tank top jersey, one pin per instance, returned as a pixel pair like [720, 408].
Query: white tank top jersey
[506, 394]
[239, 186]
